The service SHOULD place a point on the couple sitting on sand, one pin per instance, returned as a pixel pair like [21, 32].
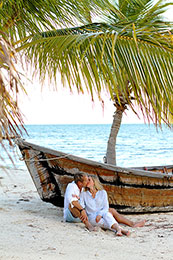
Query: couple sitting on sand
[86, 200]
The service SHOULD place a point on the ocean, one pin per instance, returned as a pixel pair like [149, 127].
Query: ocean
[137, 144]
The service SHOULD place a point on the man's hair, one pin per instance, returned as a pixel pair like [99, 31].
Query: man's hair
[79, 177]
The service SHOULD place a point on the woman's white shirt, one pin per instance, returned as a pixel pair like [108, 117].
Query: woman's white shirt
[94, 206]
[97, 206]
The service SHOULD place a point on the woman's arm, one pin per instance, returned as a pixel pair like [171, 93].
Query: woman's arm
[105, 203]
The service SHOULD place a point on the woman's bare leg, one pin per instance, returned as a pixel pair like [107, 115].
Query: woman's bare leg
[125, 232]
[123, 220]
[119, 230]
[116, 227]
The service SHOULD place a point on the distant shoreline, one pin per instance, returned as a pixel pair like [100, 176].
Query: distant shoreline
[86, 124]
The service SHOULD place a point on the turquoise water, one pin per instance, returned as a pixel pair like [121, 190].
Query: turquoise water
[137, 144]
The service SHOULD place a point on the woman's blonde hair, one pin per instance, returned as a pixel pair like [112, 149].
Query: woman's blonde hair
[97, 183]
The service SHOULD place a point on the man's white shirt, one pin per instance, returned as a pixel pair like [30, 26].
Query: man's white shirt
[71, 190]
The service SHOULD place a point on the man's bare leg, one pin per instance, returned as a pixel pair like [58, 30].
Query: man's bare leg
[123, 220]
[76, 214]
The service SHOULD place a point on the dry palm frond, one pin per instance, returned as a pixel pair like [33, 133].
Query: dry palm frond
[10, 81]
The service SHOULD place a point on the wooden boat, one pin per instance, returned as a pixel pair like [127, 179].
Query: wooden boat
[129, 189]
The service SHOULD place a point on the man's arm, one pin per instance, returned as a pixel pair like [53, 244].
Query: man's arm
[78, 211]
[77, 205]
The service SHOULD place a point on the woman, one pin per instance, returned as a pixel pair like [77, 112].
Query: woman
[95, 202]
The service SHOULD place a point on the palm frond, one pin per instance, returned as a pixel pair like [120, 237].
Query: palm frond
[10, 115]
[102, 56]
[23, 17]
[19, 20]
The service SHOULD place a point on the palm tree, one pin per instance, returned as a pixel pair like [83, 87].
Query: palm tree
[128, 53]
[21, 19]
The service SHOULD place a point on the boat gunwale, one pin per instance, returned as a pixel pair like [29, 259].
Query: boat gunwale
[130, 171]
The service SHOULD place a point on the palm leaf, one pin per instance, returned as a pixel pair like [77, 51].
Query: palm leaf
[19, 20]
[84, 53]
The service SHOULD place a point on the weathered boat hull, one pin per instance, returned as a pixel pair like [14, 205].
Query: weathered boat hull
[129, 189]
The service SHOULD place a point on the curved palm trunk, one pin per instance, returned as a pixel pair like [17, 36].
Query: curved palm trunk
[111, 145]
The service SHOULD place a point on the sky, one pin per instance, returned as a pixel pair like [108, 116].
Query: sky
[43, 105]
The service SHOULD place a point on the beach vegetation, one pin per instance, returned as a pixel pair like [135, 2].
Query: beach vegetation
[21, 20]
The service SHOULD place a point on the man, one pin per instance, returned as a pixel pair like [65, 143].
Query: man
[73, 211]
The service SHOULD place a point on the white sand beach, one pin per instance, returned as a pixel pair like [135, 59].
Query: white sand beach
[32, 229]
